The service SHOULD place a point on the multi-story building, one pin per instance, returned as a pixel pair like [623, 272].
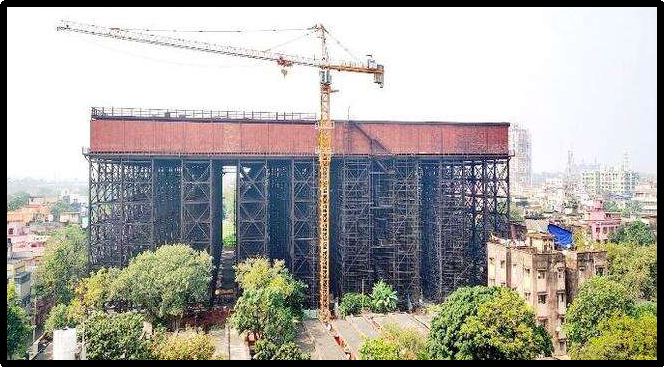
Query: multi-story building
[601, 224]
[619, 179]
[548, 279]
[521, 162]
[646, 195]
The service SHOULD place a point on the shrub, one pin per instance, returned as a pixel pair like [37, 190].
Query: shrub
[383, 298]
[116, 336]
[266, 350]
[190, 345]
[379, 349]
[353, 304]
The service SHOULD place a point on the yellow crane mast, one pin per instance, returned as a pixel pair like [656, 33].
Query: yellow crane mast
[325, 125]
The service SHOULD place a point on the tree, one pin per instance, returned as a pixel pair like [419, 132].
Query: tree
[635, 232]
[611, 206]
[621, 338]
[598, 298]
[265, 314]
[646, 308]
[63, 264]
[112, 336]
[17, 200]
[257, 273]
[635, 267]
[166, 281]
[58, 318]
[270, 307]
[503, 328]
[353, 303]
[383, 297]
[60, 207]
[516, 215]
[632, 208]
[395, 342]
[190, 345]
[446, 325]
[581, 239]
[18, 323]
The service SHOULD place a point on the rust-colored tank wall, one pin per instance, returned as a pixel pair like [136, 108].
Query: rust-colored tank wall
[275, 138]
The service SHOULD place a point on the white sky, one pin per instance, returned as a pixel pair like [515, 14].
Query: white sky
[577, 78]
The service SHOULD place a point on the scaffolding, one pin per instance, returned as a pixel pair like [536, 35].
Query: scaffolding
[420, 223]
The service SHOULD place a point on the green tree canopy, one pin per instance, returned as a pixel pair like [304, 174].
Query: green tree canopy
[270, 306]
[58, 318]
[60, 207]
[18, 323]
[63, 264]
[446, 325]
[621, 337]
[635, 232]
[166, 281]
[113, 336]
[503, 328]
[611, 206]
[190, 345]
[635, 267]
[632, 208]
[598, 298]
[17, 200]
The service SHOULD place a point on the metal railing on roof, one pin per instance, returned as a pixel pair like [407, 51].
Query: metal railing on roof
[202, 115]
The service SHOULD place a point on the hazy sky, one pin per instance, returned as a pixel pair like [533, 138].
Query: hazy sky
[581, 78]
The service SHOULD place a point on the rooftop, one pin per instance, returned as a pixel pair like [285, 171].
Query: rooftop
[162, 114]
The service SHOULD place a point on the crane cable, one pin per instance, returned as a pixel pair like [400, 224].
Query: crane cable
[289, 41]
[217, 30]
[342, 46]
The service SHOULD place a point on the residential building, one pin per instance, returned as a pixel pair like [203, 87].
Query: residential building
[521, 163]
[548, 279]
[581, 266]
[17, 272]
[601, 224]
[70, 217]
[646, 196]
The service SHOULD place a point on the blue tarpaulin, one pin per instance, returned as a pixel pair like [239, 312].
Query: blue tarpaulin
[561, 236]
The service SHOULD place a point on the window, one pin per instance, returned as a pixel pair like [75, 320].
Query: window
[526, 295]
[11, 231]
[599, 271]
[561, 273]
[596, 229]
[561, 298]
[561, 345]
[526, 271]
[541, 274]
[492, 282]
[491, 261]
[502, 264]
[542, 322]
[541, 299]
[604, 230]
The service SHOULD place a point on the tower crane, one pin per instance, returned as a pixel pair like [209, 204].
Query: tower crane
[324, 126]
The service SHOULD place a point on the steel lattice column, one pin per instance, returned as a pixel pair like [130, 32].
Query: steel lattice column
[303, 237]
[252, 209]
[195, 222]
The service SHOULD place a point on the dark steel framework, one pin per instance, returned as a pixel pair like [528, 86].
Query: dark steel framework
[419, 223]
